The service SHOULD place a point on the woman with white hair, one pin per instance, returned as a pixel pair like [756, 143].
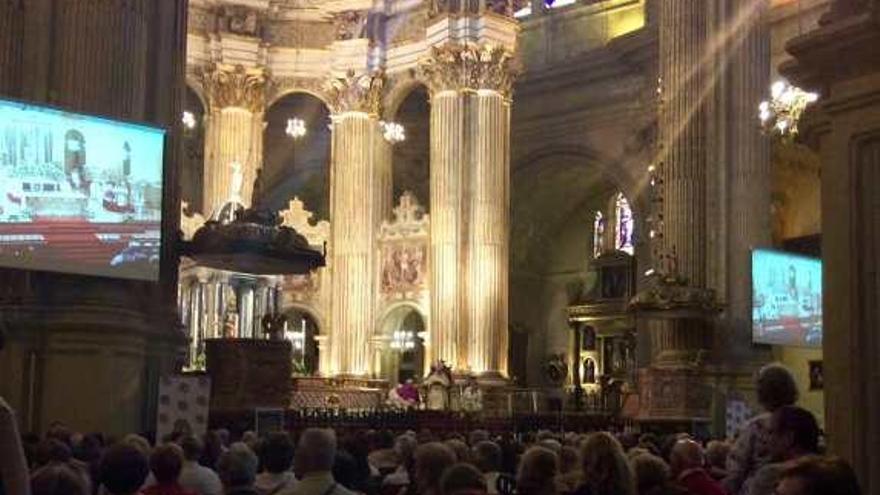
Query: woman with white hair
[776, 388]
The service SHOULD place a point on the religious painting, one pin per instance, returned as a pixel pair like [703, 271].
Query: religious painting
[403, 268]
[817, 375]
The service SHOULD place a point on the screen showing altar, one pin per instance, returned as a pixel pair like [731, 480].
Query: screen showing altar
[79, 194]
[786, 299]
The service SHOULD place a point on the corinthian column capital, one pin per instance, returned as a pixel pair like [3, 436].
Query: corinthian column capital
[470, 66]
[356, 93]
[235, 86]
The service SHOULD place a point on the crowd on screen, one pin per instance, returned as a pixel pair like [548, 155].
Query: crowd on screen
[777, 452]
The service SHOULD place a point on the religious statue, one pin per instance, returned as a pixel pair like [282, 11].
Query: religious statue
[471, 396]
[236, 183]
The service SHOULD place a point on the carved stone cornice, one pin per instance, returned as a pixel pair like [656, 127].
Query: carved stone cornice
[234, 86]
[356, 93]
[470, 66]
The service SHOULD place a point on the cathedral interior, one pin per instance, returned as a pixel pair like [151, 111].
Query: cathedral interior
[563, 200]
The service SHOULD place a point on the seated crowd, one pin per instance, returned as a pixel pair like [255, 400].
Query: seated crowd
[777, 452]
[378, 463]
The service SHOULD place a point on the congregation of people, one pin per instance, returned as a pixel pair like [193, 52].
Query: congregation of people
[777, 452]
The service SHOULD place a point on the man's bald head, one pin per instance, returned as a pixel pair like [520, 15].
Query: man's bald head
[686, 454]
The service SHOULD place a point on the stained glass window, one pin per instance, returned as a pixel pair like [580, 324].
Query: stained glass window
[598, 233]
[623, 234]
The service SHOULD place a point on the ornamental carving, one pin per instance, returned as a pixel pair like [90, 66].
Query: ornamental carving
[239, 20]
[234, 86]
[297, 217]
[350, 24]
[410, 220]
[470, 66]
[356, 93]
[299, 34]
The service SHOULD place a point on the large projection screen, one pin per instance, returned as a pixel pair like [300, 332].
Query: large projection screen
[786, 299]
[79, 194]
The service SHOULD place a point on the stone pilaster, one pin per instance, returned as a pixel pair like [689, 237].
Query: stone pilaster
[845, 126]
[234, 131]
[470, 174]
[357, 196]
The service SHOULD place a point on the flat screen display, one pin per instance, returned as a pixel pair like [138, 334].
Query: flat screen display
[79, 194]
[786, 299]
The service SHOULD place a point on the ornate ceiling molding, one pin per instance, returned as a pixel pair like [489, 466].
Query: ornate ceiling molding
[470, 66]
[356, 93]
[234, 86]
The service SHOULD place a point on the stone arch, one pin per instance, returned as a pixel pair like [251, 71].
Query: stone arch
[197, 89]
[393, 364]
[395, 306]
[303, 89]
[618, 175]
[310, 310]
[400, 89]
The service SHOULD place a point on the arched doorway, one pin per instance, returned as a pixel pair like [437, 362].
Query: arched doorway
[296, 154]
[301, 330]
[403, 353]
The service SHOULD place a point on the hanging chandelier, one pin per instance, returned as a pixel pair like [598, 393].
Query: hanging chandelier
[781, 113]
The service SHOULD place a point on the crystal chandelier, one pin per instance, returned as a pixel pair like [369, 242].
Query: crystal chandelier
[188, 119]
[781, 113]
[296, 128]
[403, 340]
[393, 132]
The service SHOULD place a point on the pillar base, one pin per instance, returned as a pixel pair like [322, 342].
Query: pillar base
[674, 395]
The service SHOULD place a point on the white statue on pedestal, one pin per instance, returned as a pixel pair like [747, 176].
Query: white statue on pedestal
[236, 183]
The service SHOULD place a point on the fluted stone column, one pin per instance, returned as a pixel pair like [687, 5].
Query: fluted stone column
[748, 224]
[470, 175]
[489, 232]
[685, 86]
[358, 196]
[447, 272]
[234, 131]
[11, 46]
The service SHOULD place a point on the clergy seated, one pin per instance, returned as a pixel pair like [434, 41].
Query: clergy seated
[404, 396]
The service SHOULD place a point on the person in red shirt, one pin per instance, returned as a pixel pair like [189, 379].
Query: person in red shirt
[689, 469]
[166, 463]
